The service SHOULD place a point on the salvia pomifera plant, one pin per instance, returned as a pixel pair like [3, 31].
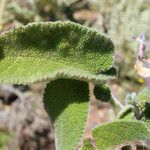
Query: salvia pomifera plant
[68, 57]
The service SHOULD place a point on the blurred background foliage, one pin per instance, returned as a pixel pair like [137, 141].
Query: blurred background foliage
[4, 139]
[119, 19]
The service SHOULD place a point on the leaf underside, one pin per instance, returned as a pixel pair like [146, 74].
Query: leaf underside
[41, 51]
[119, 132]
[66, 102]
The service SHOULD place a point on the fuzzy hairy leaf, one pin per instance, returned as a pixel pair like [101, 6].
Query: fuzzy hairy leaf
[58, 52]
[66, 102]
[126, 113]
[49, 50]
[102, 93]
[142, 104]
[119, 132]
[87, 145]
[143, 96]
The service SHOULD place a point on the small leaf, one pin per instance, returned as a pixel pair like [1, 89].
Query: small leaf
[66, 102]
[143, 96]
[142, 104]
[119, 132]
[87, 145]
[126, 113]
[103, 93]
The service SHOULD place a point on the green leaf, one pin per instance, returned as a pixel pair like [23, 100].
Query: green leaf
[127, 113]
[119, 132]
[66, 102]
[143, 96]
[87, 145]
[58, 52]
[103, 93]
[142, 104]
[41, 51]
